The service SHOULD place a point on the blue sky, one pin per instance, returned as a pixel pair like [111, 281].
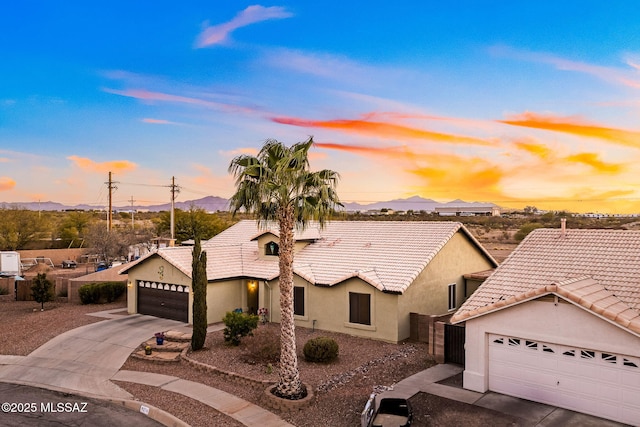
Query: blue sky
[517, 103]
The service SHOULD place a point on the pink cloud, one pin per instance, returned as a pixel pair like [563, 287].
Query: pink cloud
[159, 122]
[146, 95]
[217, 34]
[609, 74]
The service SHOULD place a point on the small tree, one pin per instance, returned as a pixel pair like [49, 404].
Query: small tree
[42, 290]
[199, 287]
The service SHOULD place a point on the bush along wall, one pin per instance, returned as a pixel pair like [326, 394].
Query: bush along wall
[95, 293]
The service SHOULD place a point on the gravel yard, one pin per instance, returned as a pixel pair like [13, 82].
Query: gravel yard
[25, 327]
[342, 387]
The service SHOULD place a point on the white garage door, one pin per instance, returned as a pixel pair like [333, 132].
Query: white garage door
[593, 382]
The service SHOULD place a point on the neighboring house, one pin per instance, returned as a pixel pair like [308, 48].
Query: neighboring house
[358, 277]
[558, 322]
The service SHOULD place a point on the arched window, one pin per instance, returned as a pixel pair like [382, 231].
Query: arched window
[271, 248]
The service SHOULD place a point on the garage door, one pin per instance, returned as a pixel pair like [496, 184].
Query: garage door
[163, 300]
[584, 380]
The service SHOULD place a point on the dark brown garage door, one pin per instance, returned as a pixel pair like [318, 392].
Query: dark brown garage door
[163, 300]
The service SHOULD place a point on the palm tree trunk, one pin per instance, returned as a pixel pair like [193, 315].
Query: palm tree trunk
[289, 385]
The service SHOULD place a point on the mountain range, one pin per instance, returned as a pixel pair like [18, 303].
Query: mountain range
[214, 203]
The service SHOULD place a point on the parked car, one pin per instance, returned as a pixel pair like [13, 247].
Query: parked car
[101, 266]
[68, 263]
[391, 411]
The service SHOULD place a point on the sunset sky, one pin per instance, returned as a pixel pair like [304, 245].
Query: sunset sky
[516, 103]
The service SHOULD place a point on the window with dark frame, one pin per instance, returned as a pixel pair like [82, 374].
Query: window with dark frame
[359, 308]
[271, 249]
[452, 296]
[298, 300]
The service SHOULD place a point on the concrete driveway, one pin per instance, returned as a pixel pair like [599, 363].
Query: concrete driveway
[84, 359]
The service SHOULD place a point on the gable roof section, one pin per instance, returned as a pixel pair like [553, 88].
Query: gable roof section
[389, 255]
[548, 261]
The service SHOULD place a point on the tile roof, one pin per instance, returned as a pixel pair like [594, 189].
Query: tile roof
[389, 255]
[548, 261]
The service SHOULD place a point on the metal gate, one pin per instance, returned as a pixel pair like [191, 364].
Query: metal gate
[163, 300]
[454, 344]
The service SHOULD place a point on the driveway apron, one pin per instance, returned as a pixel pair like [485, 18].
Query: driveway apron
[85, 358]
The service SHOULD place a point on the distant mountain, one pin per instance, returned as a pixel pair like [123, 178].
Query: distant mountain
[214, 203]
[209, 204]
[415, 203]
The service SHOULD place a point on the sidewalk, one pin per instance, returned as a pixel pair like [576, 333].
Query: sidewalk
[85, 360]
[239, 409]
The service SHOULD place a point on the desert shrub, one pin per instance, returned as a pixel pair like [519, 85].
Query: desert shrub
[320, 349]
[89, 294]
[263, 346]
[237, 326]
[93, 293]
[526, 229]
[111, 291]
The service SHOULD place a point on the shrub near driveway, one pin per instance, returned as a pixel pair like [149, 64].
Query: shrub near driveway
[97, 292]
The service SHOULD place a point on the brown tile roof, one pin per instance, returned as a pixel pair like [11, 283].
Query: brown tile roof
[549, 262]
[387, 254]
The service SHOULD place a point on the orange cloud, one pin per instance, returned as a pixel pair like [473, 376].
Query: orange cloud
[537, 149]
[468, 178]
[574, 126]
[118, 166]
[593, 160]
[381, 129]
[6, 183]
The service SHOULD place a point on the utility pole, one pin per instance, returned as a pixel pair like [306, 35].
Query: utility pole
[174, 190]
[132, 221]
[110, 187]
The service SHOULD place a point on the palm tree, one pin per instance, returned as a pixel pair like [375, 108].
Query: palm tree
[277, 186]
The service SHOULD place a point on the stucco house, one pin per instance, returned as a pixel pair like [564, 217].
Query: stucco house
[558, 322]
[358, 277]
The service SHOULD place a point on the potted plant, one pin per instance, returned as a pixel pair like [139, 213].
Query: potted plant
[147, 350]
[263, 313]
[159, 338]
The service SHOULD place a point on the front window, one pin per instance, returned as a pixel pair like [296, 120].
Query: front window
[359, 308]
[298, 300]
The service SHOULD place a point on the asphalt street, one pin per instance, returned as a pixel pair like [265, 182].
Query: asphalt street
[24, 406]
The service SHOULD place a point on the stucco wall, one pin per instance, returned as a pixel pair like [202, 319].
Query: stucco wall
[329, 307]
[223, 297]
[429, 293]
[562, 323]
